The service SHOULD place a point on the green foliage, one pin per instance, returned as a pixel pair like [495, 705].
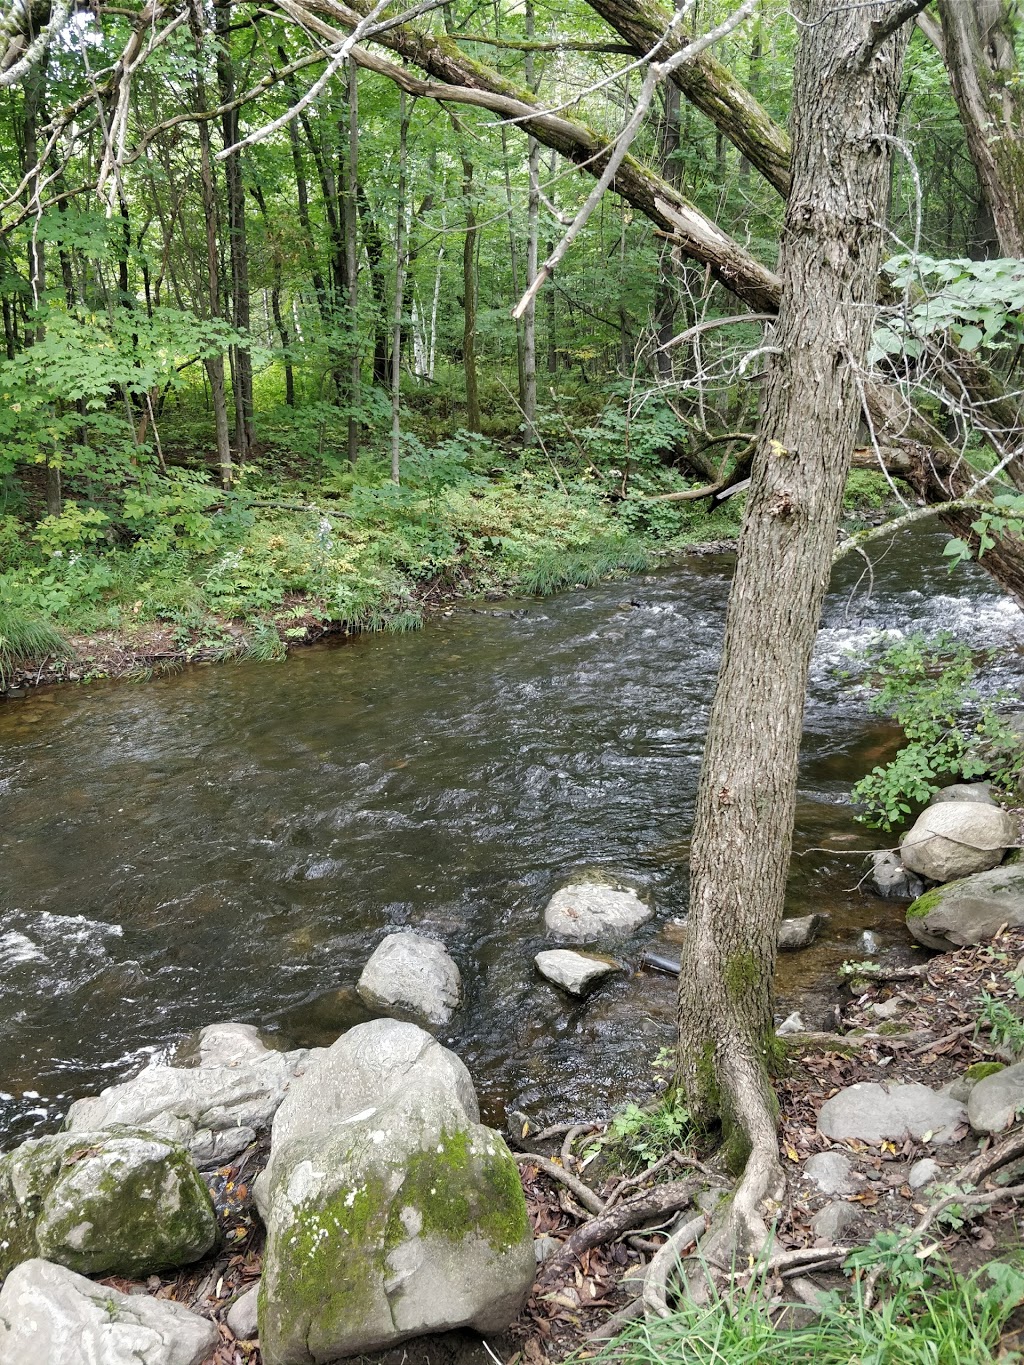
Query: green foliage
[24, 637]
[638, 1136]
[928, 688]
[1005, 516]
[977, 304]
[932, 1316]
[1005, 1025]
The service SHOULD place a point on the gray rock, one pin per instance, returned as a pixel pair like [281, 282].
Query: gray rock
[891, 1113]
[956, 839]
[793, 1023]
[892, 880]
[51, 1316]
[412, 977]
[969, 911]
[888, 1009]
[799, 933]
[995, 1102]
[574, 972]
[215, 1109]
[835, 1223]
[544, 1248]
[870, 943]
[923, 1173]
[104, 1203]
[241, 1316]
[965, 791]
[590, 910]
[831, 1172]
[391, 1212]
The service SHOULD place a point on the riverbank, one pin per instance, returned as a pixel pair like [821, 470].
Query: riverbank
[262, 571]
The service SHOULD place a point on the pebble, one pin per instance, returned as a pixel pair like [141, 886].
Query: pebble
[923, 1173]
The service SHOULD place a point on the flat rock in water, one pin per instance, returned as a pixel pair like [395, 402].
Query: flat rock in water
[956, 839]
[124, 1203]
[965, 791]
[412, 977]
[969, 911]
[592, 910]
[995, 1102]
[795, 934]
[892, 1113]
[51, 1316]
[574, 972]
[215, 1109]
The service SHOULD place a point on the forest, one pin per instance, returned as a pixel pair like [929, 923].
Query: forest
[341, 319]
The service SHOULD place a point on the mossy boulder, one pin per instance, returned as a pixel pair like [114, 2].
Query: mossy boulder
[127, 1203]
[971, 910]
[391, 1211]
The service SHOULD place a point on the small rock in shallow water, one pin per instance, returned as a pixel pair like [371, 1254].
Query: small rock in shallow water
[411, 976]
[799, 933]
[590, 910]
[892, 880]
[870, 943]
[574, 972]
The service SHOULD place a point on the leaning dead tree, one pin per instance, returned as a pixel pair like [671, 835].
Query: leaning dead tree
[844, 104]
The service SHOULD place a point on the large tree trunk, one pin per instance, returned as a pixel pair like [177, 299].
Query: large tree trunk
[844, 103]
[978, 48]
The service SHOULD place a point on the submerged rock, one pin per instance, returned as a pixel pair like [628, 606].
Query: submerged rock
[957, 838]
[391, 1211]
[891, 879]
[799, 933]
[585, 911]
[972, 910]
[411, 976]
[101, 1203]
[892, 1113]
[51, 1316]
[215, 1109]
[574, 972]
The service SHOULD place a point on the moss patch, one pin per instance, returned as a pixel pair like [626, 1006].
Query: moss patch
[980, 1070]
[741, 975]
[925, 904]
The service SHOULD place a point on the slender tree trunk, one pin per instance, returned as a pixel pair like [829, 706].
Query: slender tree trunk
[352, 262]
[980, 56]
[240, 355]
[532, 253]
[400, 248]
[844, 103]
[469, 295]
[214, 364]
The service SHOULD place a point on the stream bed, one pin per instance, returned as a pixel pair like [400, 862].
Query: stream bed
[232, 842]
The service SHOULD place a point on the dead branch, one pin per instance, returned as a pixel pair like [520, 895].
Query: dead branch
[591, 1202]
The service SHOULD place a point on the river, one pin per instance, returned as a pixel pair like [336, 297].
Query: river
[232, 842]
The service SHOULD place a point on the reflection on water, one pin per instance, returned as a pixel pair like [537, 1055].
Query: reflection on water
[232, 842]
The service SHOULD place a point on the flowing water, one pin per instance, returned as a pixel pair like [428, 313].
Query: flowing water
[232, 842]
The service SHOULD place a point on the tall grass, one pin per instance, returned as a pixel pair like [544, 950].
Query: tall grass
[25, 637]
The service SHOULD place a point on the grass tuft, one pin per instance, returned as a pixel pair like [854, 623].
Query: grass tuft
[25, 637]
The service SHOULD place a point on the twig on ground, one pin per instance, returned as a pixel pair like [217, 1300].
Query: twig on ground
[592, 1202]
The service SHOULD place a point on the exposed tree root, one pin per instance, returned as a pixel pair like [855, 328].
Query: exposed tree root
[592, 1202]
[631, 1213]
[665, 1264]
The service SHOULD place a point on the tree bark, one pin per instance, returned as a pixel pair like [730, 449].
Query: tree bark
[469, 299]
[238, 256]
[843, 108]
[978, 49]
[352, 262]
[400, 252]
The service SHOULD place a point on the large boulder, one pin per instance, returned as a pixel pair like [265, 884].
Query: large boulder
[412, 977]
[969, 911]
[589, 910]
[51, 1316]
[574, 972]
[956, 839]
[391, 1211]
[215, 1109]
[965, 791]
[891, 1113]
[101, 1203]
